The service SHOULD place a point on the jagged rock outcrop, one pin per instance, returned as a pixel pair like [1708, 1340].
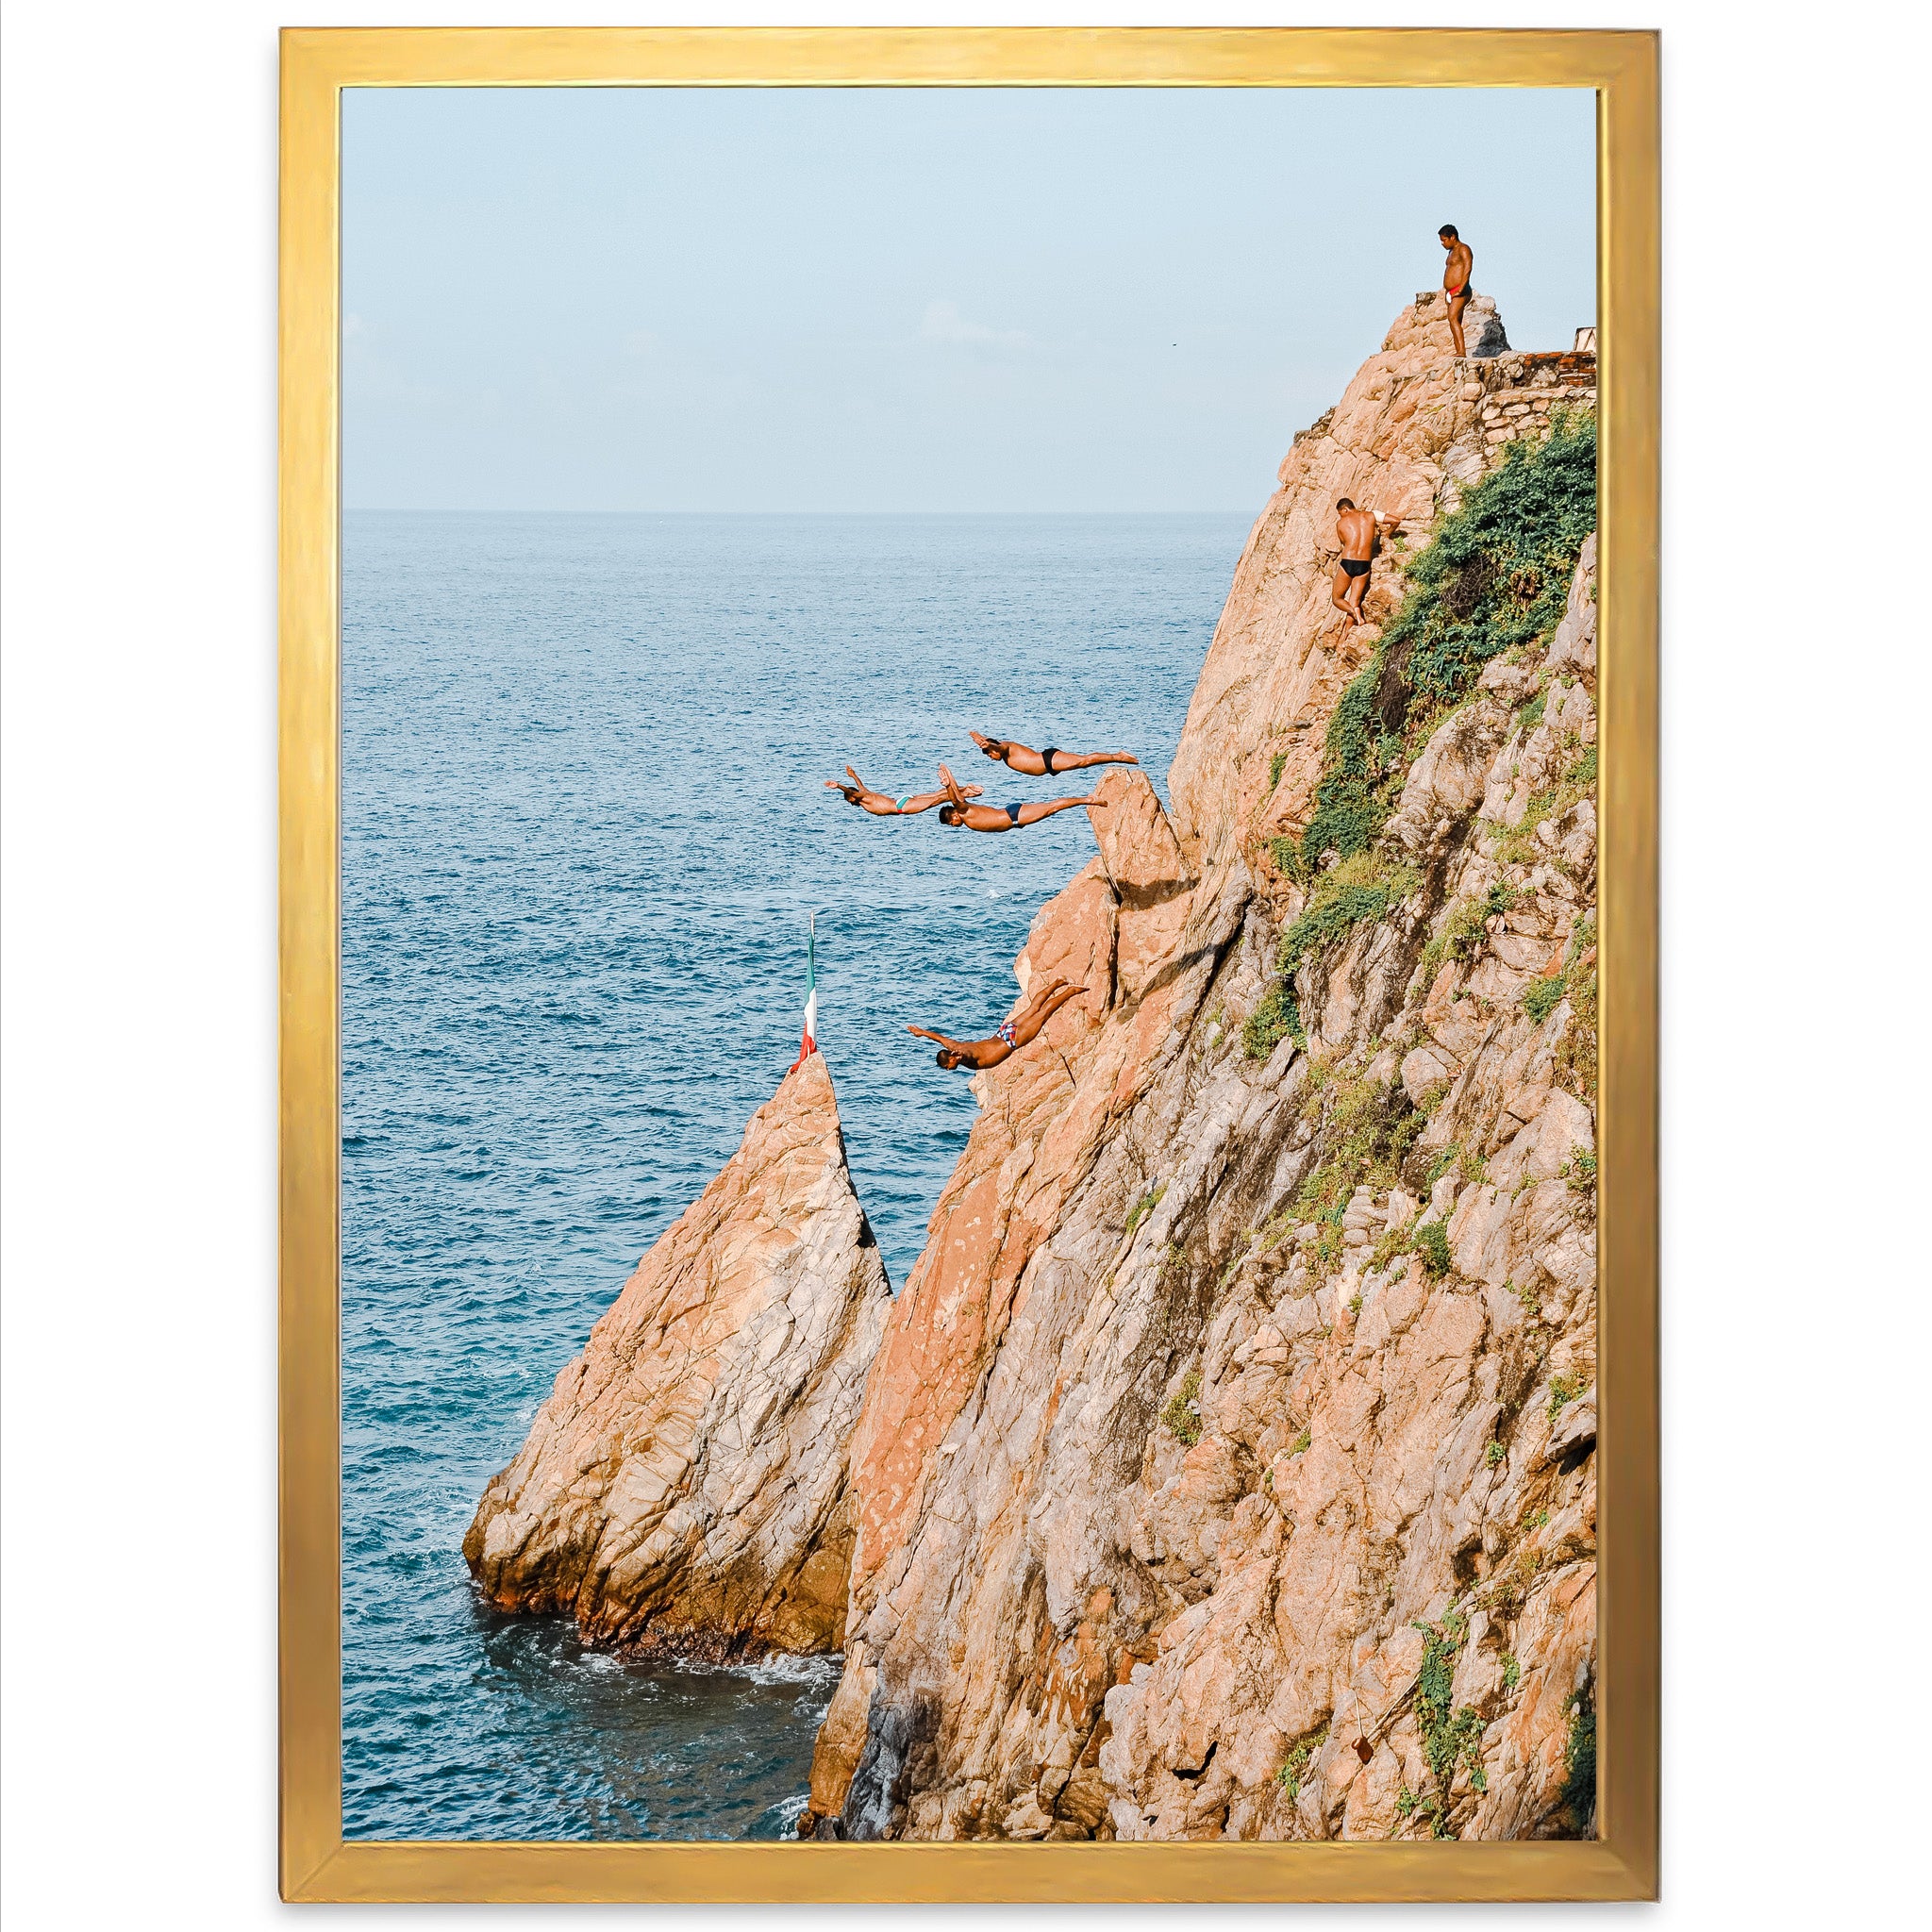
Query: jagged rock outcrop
[1411, 429]
[1227, 1467]
[684, 1488]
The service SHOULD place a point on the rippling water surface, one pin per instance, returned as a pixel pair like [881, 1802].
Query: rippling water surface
[584, 818]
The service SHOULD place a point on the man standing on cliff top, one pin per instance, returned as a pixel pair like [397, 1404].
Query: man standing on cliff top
[1355, 531]
[1456, 273]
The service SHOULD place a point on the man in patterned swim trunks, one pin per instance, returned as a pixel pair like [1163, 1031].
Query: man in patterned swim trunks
[861, 794]
[1013, 1033]
[958, 810]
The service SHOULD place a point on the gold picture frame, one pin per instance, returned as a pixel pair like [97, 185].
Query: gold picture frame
[315, 1861]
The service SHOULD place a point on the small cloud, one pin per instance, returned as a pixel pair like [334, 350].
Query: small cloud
[353, 325]
[944, 323]
[641, 342]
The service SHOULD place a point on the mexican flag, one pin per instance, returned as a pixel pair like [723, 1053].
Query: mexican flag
[812, 995]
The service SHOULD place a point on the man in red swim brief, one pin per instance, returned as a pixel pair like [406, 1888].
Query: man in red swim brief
[1456, 273]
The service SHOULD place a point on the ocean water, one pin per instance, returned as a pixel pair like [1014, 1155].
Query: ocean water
[583, 820]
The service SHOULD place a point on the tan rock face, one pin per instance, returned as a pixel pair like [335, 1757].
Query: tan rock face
[1158, 1473]
[1405, 437]
[1151, 881]
[684, 1488]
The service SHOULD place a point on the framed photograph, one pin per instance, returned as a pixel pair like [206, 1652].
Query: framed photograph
[969, 1059]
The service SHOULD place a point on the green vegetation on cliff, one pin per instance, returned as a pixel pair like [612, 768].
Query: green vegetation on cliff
[1578, 1796]
[1450, 1737]
[1271, 1022]
[1432, 1244]
[1540, 997]
[1362, 888]
[1182, 1415]
[1496, 577]
[1367, 1130]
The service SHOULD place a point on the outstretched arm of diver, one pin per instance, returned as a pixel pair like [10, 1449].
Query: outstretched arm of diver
[944, 1039]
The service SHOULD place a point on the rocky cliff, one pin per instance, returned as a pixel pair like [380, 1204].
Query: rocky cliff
[1227, 1466]
[685, 1486]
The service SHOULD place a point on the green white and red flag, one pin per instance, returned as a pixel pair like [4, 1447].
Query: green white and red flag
[810, 1043]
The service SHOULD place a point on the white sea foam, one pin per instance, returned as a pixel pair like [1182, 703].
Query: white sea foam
[818, 1672]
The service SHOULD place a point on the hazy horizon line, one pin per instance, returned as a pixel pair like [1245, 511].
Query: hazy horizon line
[398, 510]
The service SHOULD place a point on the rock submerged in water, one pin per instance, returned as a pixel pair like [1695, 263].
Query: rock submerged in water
[684, 1488]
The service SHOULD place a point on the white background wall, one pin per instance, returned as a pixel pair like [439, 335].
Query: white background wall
[139, 160]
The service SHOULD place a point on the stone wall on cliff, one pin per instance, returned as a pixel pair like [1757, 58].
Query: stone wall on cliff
[1227, 1466]
[685, 1486]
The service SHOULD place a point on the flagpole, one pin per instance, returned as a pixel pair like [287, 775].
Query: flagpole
[809, 1043]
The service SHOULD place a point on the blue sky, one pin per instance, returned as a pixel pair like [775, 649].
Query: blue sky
[932, 300]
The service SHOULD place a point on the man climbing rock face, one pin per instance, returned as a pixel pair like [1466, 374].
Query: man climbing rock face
[1013, 1033]
[1456, 273]
[1355, 531]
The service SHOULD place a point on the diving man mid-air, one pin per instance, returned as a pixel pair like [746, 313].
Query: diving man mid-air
[1013, 1033]
[1047, 763]
[861, 794]
[959, 809]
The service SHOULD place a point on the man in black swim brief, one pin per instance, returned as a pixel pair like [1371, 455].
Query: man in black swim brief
[1354, 532]
[1048, 763]
[960, 810]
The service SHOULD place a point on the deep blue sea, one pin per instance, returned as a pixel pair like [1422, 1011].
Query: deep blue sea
[584, 819]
